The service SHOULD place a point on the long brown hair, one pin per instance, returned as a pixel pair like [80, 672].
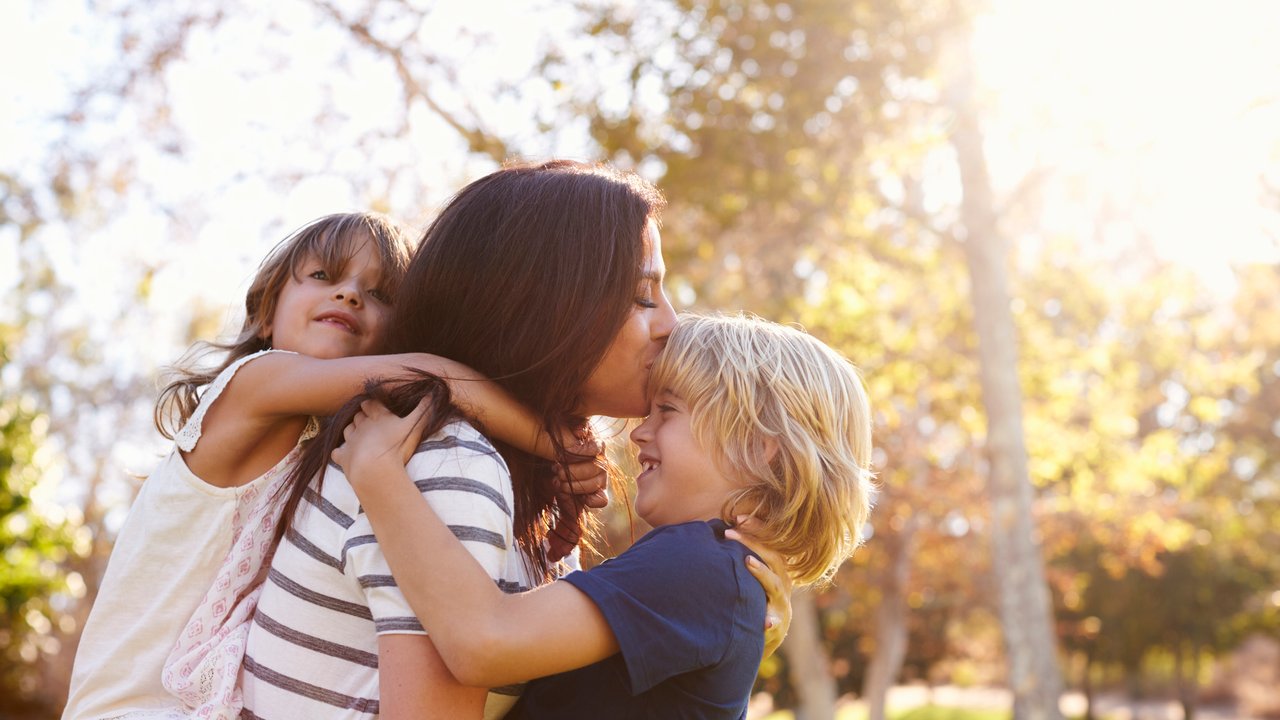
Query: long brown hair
[332, 240]
[527, 275]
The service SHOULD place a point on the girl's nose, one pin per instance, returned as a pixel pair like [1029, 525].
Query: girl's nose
[348, 293]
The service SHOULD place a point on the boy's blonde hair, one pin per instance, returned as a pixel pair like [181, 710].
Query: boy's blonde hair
[787, 419]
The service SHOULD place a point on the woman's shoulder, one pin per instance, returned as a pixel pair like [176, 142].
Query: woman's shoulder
[455, 445]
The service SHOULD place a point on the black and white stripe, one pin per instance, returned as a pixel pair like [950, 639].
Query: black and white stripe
[313, 651]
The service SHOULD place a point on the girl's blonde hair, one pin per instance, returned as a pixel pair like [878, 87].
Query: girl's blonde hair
[333, 240]
[787, 419]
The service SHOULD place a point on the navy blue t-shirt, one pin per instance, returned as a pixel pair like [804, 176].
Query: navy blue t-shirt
[689, 621]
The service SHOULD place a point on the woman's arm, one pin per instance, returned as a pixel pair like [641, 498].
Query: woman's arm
[485, 636]
[772, 576]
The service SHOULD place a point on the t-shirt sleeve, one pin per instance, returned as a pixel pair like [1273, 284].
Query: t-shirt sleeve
[468, 486]
[672, 601]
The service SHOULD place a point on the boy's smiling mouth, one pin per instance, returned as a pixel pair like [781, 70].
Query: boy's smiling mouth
[646, 464]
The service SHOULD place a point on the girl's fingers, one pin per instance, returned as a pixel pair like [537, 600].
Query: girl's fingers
[595, 500]
[582, 479]
[581, 443]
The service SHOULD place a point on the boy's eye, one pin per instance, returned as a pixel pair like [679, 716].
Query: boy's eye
[663, 407]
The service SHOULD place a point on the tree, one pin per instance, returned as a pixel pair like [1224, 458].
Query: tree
[1025, 611]
[37, 539]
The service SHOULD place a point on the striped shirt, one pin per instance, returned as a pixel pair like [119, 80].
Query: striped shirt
[313, 648]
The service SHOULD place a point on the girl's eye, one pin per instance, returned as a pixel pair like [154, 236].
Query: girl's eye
[319, 275]
[664, 408]
[381, 296]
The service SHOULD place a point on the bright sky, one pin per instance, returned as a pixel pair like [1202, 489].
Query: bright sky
[1171, 109]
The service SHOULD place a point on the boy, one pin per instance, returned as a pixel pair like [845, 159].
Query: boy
[747, 418]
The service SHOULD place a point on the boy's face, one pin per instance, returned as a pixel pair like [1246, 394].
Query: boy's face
[322, 315]
[679, 480]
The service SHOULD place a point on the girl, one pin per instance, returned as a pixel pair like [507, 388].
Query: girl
[202, 523]
[547, 278]
[747, 418]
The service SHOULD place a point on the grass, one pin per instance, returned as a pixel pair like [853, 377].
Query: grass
[924, 712]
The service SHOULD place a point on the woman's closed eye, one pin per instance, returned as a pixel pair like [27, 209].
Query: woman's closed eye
[645, 302]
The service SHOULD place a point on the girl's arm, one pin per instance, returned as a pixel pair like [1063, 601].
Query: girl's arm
[290, 385]
[484, 636]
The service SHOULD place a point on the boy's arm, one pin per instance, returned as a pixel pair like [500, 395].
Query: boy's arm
[413, 683]
[288, 384]
[485, 636]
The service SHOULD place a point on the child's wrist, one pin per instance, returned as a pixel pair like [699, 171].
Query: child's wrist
[370, 471]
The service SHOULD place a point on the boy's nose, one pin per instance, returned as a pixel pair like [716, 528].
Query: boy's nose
[641, 434]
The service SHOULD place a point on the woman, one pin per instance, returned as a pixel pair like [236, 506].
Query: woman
[546, 278]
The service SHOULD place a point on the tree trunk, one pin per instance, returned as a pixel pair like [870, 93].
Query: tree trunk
[1025, 614]
[807, 659]
[1187, 679]
[889, 621]
[1086, 683]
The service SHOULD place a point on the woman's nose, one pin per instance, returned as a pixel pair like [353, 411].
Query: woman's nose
[665, 322]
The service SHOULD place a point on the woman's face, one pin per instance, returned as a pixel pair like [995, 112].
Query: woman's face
[617, 386]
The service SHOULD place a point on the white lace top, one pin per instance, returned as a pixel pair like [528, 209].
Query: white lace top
[185, 554]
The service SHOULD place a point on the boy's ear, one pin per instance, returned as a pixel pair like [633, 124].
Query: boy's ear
[769, 449]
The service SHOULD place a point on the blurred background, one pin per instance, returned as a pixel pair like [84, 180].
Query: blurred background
[1049, 234]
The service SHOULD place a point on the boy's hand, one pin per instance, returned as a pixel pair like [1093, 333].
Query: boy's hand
[377, 439]
[773, 577]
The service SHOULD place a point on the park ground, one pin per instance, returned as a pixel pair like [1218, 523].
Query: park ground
[949, 702]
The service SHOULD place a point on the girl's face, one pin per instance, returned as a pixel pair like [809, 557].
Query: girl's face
[679, 480]
[617, 385]
[326, 314]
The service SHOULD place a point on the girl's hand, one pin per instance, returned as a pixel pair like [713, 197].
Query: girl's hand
[377, 439]
[585, 477]
[580, 483]
[773, 577]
